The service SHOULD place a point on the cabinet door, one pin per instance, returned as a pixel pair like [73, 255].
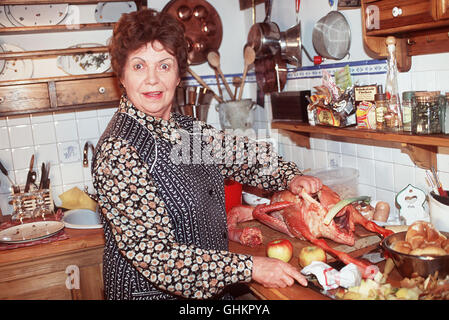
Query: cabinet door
[443, 9]
[399, 13]
[24, 97]
[84, 91]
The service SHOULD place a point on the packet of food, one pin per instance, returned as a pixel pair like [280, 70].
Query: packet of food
[330, 278]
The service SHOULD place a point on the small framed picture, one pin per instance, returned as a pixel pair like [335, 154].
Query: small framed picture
[348, 4]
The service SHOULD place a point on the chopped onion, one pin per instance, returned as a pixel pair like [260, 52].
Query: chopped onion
[340, 205]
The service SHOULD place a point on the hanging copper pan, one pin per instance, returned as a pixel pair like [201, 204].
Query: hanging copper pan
[202, 24]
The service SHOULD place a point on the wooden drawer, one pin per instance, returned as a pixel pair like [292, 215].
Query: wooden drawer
[24, 97]
[400, 13]
[84, 91]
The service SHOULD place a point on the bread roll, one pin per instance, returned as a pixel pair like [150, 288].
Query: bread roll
[382, 211]
[429, 251]
[401, 246]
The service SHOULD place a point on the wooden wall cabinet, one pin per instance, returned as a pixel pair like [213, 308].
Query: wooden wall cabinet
[420, 26]
[57, 93]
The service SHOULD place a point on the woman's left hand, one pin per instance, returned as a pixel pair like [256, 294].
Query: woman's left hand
[310, 184]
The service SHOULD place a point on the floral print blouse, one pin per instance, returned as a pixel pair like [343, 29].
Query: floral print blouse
[144, 234]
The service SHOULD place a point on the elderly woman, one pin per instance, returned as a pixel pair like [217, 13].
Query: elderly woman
[165, 222]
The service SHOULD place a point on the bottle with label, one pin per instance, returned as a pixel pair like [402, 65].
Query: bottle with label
[408, 103]
[393, 116]
[381, 108]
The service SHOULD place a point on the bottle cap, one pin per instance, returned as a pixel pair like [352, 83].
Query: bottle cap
[408, 95]
[380, 96]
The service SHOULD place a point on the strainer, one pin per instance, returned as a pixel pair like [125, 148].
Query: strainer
[331, 36]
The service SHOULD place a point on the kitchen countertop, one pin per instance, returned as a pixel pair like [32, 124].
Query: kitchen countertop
[80, 240]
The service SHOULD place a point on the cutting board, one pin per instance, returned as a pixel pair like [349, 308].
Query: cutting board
[363, 238]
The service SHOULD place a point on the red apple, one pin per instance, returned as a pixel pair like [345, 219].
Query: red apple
[281, 249]
[311, 253]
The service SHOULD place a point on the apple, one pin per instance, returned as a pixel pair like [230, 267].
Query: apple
[281, 249]
[311, 253]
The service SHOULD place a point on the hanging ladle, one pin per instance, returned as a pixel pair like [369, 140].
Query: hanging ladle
[214, 60]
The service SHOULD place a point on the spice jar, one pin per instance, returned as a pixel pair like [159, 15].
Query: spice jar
[426, 114]
[408, 103]
[445, 126]
[381, 108]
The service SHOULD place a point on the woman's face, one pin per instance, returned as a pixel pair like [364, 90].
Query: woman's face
[150, 79]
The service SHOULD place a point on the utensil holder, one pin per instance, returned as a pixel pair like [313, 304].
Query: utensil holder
[36, 203]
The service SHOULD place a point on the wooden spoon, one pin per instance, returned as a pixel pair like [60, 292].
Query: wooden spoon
[204, 84]
[214, 60]
[249, 56]
[236, 81]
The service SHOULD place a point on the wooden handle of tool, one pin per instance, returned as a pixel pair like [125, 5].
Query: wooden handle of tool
[243, 83]
[228, 89]
[204, 84]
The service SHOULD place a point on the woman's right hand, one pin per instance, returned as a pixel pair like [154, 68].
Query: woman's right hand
[274, 273]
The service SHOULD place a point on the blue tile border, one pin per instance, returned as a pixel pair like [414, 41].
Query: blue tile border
[357, 68]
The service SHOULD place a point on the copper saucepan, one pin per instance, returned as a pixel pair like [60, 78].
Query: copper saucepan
[264, 37]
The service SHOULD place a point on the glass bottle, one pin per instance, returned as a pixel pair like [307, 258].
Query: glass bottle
[393, 117]
[381, 108]
[408, 103]
[445, 128]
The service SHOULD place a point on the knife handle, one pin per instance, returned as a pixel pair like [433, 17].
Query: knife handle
[3, 169]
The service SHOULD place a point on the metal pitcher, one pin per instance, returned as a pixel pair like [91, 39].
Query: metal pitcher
[236, 114]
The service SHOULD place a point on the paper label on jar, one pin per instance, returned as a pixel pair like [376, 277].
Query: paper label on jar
[365, 93]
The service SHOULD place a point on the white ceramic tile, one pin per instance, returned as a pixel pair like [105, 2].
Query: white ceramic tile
[442, 81]
[47, 153]
[348, 148]
[55, 175]
[41, 117]
[5, 207]
[318, 144]
[425, 80]
[366, 171]
[71, 173]
[66, 130]
[21, 157]
[444, 178]
[21, 176]
[88, 128]
[443, 162]
[309, 159]
[6, 159]
[20, 136]
[348, 161]
[403, 176]
[367, 190]
[18, 120]
[321, 160]
[388, 196]
[83, 114]
[404, 82]
[400, 157]
[106, 112]
[364, 151]
[427, 62]
[4, 138]
[420, 178]
[69, 152]
[334, 160]
[44, 133]
[333, 146]
[62, 116]
[383, 154]
[298, 157]
[384, 175]
[55, 192]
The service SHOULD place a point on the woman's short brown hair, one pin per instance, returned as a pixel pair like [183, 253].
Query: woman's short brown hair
[138, 28]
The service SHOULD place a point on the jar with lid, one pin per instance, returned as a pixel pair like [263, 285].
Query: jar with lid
[381, 109]
[408, 103]
[426, 114]
[445, 127]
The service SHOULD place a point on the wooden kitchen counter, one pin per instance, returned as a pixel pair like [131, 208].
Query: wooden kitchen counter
[45, 271]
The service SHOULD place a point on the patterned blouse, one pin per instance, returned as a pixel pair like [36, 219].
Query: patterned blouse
[139, 218]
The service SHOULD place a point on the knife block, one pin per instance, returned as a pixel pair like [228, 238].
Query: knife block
[25, 204]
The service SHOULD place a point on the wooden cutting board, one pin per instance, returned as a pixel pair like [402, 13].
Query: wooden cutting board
[363, 239]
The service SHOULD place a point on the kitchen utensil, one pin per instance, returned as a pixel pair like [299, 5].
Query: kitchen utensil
[236, 114]
[290, 43]
[194, 101]
[45, 172]
[331, 36]
[266, 75]
[264, 37]
[214, 59]
[31, 177]
[217, 78]
[439, 211]
[439, 186]
[204, 84]
[236, 81]
[15, 188]
[249, 57]
[202, 24]
[408, 264]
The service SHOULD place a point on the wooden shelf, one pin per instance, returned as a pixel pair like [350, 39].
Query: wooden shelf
[51, 53]
[57, 28]
[422, 149]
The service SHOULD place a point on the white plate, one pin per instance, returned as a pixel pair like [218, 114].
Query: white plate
[38, 14]
[112, 11]
[82, 219]
[254, 200]
[30, 231]
[4, 21]
[85, 63]
[16, 69]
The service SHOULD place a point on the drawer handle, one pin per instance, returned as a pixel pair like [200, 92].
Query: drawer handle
[396, 12]
[102, 90]
[2, 99]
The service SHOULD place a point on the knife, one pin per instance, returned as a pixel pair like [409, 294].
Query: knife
[46, 184]
[43, 173]
[31, 177]
[15, 188]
